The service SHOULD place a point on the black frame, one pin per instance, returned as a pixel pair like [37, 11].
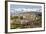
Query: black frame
[6, 16]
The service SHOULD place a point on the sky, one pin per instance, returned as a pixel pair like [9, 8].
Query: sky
[24, 8]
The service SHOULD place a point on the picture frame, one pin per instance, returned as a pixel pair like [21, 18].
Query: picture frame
[22, 5]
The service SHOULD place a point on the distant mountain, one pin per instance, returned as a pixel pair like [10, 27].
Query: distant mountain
[21, 13]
